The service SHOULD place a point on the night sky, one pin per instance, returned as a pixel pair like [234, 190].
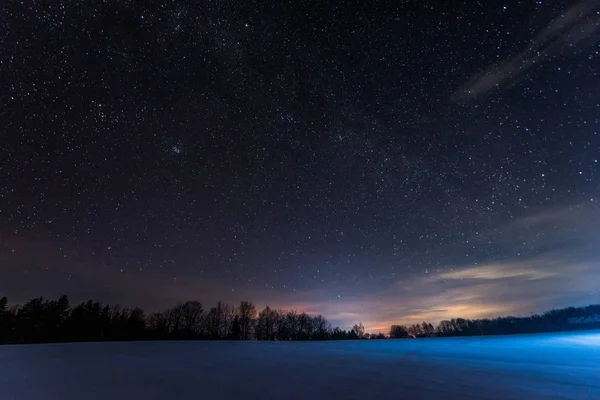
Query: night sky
[390, 162]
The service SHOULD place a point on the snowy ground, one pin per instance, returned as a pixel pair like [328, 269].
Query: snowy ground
[549, 366]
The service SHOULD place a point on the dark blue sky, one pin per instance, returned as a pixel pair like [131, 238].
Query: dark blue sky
[389, 162]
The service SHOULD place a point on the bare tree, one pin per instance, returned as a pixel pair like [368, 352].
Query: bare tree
[292, 324]
[415, 330]
[212, 323]
[445, 328]
[219, 321]
[174, 316]
[158, 323]
[283, 328]
[359, 330]
[215, 321]
[398, 332]
[321, 327]
[228, 314]
[266, 324]
[427, 329]
[191, 316]
[304, 326]
[246, 313]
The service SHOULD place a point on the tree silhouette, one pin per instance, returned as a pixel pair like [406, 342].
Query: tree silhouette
[304, 326]
[266, 324]
[398, 332]
[213, 322]
[321, 328]
[236, 330]
[427, 329]
[359, 330]
[4, 319]
[291, 324]
[191, 313]
[40, 320]
[246, 314]
[158, 325]
[229, 313]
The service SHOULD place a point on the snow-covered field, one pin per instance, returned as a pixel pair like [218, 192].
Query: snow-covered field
[549, 366]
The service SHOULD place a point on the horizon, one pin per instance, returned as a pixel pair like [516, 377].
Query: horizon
[369, 328]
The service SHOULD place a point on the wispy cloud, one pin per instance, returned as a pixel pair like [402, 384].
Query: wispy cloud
[576, 26]
[489, 290]
[562, 269]
[498, 271]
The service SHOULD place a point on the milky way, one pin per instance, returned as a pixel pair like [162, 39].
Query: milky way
[386, 163]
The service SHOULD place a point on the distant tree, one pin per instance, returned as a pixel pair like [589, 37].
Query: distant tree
[284, 331]
[136, 324]
[3, 305]
[62, 308]
[415, 330]
[398, 332]
[445, 328]
[246, 313]
[292, 326]
[214, 321]
[40, 320]
[359, 330]
[85, 324]
[338, 334]
[32, 322]
[191, 313]
[304, 326]
[57, 313]
[105, 322]
[4, 323]
[236, 330]
[118, 323]
[427, 329]
[321, 328]
[228, 312]
[158, 325]
[352, 335]
[175, 318]
[266, 324]
[8, 332]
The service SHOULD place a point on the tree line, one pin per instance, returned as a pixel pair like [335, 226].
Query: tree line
[42, 321]
[565, 319]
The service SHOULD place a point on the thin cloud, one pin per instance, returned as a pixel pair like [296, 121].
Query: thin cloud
[498, 271]
[578, 25]
[565, 273]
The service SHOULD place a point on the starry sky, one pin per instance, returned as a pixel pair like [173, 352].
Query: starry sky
[376, 161]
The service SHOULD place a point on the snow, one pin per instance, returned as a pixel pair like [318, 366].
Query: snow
[547, 366]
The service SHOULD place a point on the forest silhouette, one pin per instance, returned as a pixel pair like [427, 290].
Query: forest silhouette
[44, 321]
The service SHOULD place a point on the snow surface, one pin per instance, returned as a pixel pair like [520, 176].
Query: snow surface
[547, 366]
